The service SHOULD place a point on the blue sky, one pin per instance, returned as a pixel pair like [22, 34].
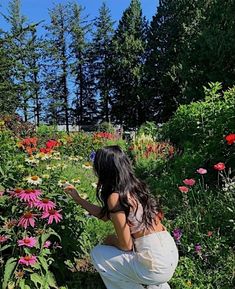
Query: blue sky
[37, 10]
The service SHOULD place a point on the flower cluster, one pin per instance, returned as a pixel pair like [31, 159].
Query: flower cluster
[104, 135]
[31, 197]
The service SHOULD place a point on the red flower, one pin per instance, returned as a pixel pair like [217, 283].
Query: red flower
[50, 144]
[183, 189]
[230, 138]
[219, 167]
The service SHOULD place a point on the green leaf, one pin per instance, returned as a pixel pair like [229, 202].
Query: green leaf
[37, 279]
[43, 263]
[9, 268]
[4, 247]
[51, 280]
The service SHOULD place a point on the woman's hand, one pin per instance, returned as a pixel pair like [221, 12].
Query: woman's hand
[71, 190]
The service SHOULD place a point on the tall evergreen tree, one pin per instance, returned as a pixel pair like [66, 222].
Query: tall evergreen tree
[163, 49]
[82, 67]
[17, 51]
[129, 44]
[57, 68]
[102, 55]
[8, 93]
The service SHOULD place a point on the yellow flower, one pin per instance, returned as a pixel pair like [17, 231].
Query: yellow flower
[189, 283]
[46, 176]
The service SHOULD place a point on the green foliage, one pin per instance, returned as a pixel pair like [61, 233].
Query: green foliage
[201, 126]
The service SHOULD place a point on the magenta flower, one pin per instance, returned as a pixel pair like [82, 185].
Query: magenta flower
[1, 193]
[52, 215]
[198, 248]
[202, 171]
[28, 219]
[177, 234]
[28, 260]
[45, 204]
[183, 189]
[29, 195]
[28, 242]
[47, 244]
[16, 192]
[3, 239]
[189, 182]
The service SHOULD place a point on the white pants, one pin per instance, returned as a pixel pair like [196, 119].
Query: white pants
[150, 265]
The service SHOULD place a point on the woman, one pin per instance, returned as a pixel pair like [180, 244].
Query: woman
[142, 253]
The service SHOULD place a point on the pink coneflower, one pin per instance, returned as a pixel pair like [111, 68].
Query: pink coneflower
[1, 193]
[3, 239]
[28, 242]
[16, 192]
[202, 171]
[45, 204]
[47, 244]
[28, 219]
[52, 215]
[29, 195]
[189, 182]
[28, 260]
[183, 189]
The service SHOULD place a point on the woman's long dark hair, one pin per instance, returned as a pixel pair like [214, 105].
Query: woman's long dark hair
[115, 174]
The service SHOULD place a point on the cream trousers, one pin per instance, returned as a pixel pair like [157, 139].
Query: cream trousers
[150, 265]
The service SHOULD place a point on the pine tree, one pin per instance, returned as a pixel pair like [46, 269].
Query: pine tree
[82, 67]
[8, 93]
[128, 44]
[102, 55]
[57, 67]
[17, 51]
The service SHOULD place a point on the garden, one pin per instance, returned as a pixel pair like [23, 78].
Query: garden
[188, 162]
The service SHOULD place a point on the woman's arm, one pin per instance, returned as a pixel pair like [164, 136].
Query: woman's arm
[91, 208]
[123, 240]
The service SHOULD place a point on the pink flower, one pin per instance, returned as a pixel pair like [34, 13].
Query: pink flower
[29, 195]
[202, 171]
[1, 193]
[16, 192]
[45, 204]
[28, 242]
[28, 260]
[47, 244]
[27, 219]
[52, 215]
[3, 239]
[183, 189]
[219, 166]
[198, 248]
[189, 182]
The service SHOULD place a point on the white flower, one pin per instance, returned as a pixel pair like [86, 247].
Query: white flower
[45, 176]
[94, 185]
[83, 195]
[62, 183]
[32, 160]
[76, 181]
[87, 166]
[34, 180]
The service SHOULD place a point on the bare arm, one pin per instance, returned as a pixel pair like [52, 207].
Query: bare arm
[89, 207]
[123, 239]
